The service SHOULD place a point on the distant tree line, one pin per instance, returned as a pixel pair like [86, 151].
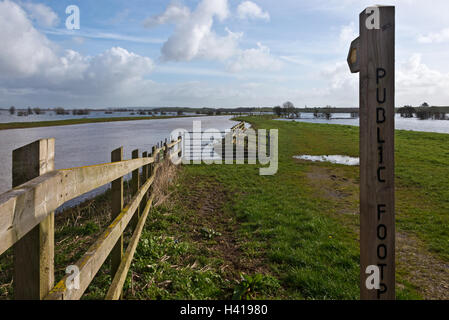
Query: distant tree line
[287, 110]
[80, 112]
[422, 112]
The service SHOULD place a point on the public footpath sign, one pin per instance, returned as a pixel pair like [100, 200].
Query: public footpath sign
[372, 54]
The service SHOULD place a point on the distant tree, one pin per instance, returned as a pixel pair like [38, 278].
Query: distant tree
[180, 113]
[425, 105]
[289, 108]
[327, 112]
[406, 111]
[60, 110]
[77, 112]
[277, 111]
[12, 110]
[37, 110]
[423, 113]
[29, 111]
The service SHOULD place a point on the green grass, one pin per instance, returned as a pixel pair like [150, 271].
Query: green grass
[283, 220]
[52, 123]
[227, 232]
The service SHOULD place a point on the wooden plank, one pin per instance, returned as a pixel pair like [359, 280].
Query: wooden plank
[25, 206]
[116, 207]
[145, 177]
[377, 215]
[118, 281]
[174, 143]
[135, 185]
[34, 253]
[153, 154]
[93, 259]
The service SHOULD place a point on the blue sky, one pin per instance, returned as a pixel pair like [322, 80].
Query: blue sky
[223, 53]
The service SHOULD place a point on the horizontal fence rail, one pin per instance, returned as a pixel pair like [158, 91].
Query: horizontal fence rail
[27, 215]
[25, 206]
[39, 190]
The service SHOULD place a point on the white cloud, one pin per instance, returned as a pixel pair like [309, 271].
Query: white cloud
[95, 34]
[30, 63]
[42, 14]
[436, 37]
[347, 34]
[24, 51]
[194, 37]
[175, 12]
[255, 59]
[416, 82]
[250, 10]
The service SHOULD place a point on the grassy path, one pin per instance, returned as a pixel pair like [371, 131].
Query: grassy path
[299, 228]
[223, 231]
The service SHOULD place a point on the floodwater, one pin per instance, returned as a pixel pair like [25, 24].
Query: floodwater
[6, 117]
[92, 143]
[337, 159]
[412, 124]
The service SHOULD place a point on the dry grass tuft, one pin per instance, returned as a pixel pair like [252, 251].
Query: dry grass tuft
[166, 176]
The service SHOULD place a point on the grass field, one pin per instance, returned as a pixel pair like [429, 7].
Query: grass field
[52, 123]
[223, 231]
[299, 228]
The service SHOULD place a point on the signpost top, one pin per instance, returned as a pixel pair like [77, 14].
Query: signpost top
[353, 56]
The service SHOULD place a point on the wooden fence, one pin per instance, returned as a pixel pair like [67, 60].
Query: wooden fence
[27, 216]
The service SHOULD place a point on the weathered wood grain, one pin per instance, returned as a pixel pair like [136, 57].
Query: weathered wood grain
[377, 99]
[116, 287]
[93, 259]
[116, 208]
[23, 207]
[34, 253]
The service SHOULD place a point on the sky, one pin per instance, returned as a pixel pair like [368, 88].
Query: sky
[209, 53]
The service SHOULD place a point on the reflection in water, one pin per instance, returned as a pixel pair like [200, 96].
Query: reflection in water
[413, 124]
[92, 143]
[6, 117]
[337, 159]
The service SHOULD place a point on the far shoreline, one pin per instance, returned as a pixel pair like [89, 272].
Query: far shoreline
[54, 123]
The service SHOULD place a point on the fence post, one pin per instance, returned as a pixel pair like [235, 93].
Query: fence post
[135, 184]
[179, 146]
[116, 207]
[145, 178]
[153, 154]
[34, 252]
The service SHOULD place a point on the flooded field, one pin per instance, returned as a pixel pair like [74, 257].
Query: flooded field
[87, 144]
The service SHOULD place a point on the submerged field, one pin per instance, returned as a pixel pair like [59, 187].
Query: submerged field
[223, 231]
[54, 123]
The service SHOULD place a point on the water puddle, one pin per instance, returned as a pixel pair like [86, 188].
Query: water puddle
[337, 159]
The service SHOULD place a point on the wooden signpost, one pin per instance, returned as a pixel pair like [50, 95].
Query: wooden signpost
[373, 56]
